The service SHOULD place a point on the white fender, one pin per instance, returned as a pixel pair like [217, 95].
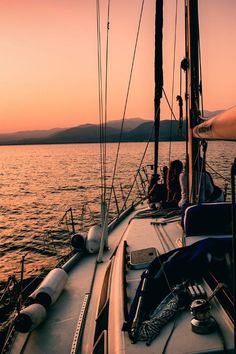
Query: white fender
[30, 317]
[93, 239]
[78, 241]
[51, 287]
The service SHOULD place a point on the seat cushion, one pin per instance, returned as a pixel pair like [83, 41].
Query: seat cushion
[208, 219]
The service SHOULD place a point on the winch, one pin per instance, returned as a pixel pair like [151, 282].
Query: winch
[202, 321]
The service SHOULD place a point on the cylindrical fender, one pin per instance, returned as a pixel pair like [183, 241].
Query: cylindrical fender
[78, 241]
[29, 318]
[93, 239]
[51, 287]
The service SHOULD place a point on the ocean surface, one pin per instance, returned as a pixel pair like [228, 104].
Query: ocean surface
[39, 183]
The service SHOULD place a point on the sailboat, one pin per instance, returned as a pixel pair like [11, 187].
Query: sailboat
[143, 283]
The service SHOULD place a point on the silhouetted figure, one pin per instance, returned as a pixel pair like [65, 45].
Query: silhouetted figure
[157, 192]
[173, 184]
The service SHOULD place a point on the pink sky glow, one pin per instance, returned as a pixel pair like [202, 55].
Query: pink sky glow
[48, 63]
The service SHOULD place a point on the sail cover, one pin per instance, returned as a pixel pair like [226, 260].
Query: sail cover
[221, 126]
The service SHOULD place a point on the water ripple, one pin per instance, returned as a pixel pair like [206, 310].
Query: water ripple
[38, 183]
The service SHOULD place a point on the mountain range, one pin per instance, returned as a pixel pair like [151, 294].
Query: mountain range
[134, 130]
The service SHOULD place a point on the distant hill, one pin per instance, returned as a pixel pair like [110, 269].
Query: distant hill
[135, 129]
[90, 133]
[168, 130]
[28, 134]
[129, 124]
[81, 134]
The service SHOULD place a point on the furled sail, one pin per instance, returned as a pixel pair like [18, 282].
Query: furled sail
[221, 126]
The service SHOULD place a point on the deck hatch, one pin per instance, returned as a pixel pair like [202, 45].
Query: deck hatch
[140, 259]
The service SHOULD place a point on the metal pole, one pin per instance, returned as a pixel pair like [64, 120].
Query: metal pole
[103, 243]
[116, 200]
[158, 78]
[233, 175]
[72, 221]
[192, 93]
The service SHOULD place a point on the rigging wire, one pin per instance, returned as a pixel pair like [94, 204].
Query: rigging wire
[103, 102]
[201, 171]
[103, 121]
[126, 103]
[217, 173]
[140, 164]
[169, 105]
[106, 94]
[173, 78]
[105, 205]
[200, 69]
[100, 97]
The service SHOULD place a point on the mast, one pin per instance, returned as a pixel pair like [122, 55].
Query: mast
[158, 78]
[192, 94]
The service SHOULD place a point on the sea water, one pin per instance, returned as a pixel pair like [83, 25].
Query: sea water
[38, 183]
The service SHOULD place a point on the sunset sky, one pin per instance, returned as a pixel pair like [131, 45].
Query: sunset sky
[48, 61]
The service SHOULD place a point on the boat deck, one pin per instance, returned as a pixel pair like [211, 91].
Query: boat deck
[65, 322]
[162, 234]
[57, 333]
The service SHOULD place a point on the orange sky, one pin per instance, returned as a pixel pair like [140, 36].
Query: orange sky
[48, 61]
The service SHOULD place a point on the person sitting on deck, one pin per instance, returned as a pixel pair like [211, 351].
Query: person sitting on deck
[157, 192]
[173, 184]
